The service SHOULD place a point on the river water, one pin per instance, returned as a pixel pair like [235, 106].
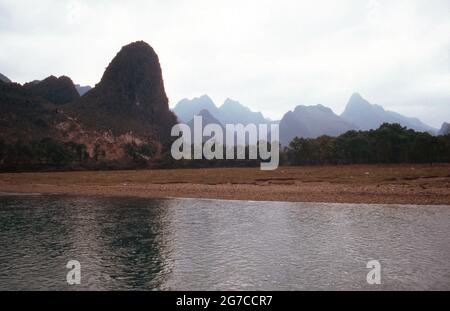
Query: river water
[191, 244]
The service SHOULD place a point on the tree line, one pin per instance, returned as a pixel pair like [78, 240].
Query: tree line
[390, 143]
[51, 154]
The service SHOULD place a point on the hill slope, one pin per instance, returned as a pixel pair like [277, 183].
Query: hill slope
[4, 79]
[59, 91]
[24, 116]
[231, 112]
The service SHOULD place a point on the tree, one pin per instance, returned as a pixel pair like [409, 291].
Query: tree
[424, 148]
[99, 153]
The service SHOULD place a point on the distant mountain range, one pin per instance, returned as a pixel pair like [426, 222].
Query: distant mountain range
[303, 121]
[312, 122]
[82, 89]
[230, 112]
[367, 116]
[445, 129]
[359, 114]
[207, 118]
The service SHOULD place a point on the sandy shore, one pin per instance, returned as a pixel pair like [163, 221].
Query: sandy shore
[395, 184]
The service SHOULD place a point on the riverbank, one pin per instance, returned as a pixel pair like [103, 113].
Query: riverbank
[380, 184]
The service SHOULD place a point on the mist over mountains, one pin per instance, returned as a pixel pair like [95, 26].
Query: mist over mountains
[303, 121]
[82, 89]
[230, 112]
[367, 116]
[207, 118]
[445, 129]
[312, 122]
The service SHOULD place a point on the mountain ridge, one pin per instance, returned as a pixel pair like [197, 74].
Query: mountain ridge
[82, 89]
[230, 111]
[312, 122]
[445, 129]
[4, 79]
[369, 116]
[59, 91]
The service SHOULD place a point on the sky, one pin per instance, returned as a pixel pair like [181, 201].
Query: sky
[269, 55]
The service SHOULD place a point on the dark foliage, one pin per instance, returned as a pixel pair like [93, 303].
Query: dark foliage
[59, 91]
[391, 143]
[45, 152]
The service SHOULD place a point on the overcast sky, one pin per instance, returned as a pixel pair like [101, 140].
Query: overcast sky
[269, 55]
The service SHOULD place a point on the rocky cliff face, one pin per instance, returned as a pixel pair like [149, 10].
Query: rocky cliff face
[130, 98]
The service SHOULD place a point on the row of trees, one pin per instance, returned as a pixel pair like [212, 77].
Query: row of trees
[167, 161]
[391, 143]
[42, 152]
[49, 153]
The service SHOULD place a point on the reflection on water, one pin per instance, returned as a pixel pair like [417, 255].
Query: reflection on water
[144, 244]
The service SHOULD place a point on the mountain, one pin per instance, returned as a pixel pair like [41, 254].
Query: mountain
[82, 89]
[231, 111]
[4, 79]
[128, 106]
[130, 102]
[207, 118]
[59, 91]
[445, 129]
[186, 109]
[25, 116]
[367, 116]
[312, 122]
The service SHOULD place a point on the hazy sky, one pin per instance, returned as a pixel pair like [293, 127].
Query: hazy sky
[269, 55]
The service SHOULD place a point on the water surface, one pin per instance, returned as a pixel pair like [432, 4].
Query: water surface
[190, 244]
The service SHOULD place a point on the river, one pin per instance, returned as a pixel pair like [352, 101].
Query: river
[191, 244]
